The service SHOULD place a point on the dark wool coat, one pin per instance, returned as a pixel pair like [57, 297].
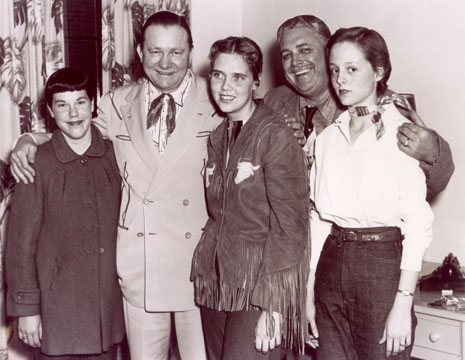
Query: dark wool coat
[253, 252]
[61, 248]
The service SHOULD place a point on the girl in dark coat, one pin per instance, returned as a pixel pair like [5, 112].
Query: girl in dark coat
[61, 241]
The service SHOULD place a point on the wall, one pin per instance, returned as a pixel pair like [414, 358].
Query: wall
[212, 20]
[426, 39]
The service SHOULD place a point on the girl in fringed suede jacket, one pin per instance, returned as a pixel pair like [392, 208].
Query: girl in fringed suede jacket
[250, 267]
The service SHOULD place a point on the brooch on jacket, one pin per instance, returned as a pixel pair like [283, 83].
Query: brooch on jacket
[245, 169]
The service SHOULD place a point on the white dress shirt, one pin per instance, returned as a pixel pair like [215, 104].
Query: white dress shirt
[369, 183]
[159, 130]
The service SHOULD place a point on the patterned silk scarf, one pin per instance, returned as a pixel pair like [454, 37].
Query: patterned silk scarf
[162, 109]
[396, 99]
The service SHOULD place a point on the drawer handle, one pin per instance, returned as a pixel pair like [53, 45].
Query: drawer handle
[434, 337]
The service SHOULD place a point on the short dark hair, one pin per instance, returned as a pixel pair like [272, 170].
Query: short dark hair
[310, 21]
[66, 79]
[243, 46]
[166, 18]
[373, 46]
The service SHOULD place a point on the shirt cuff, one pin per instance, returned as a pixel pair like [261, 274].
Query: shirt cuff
[436, 157]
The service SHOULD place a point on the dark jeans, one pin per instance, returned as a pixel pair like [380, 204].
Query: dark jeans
[231, 335]
[355, 287]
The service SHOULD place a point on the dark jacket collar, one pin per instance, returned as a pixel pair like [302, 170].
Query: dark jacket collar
[65, 154]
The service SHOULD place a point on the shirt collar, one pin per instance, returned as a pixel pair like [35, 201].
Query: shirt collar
[179, 95]
[343, 122]
[327, 106]
[65, 154]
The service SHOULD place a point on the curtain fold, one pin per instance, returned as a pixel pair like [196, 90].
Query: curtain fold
[122, 22]
[31, 48]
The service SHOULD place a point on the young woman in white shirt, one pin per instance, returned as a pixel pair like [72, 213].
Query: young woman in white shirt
[371, 223]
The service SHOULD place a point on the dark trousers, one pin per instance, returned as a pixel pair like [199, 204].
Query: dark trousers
[355, 287]
[107, 355]
[231, 335]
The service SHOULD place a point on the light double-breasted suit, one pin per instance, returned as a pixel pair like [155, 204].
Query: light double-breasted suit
[163, 206]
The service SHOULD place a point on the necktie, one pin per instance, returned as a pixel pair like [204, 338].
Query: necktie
[309, 113]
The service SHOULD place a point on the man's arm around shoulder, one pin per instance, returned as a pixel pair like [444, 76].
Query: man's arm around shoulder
[439, 173]
[23, 155]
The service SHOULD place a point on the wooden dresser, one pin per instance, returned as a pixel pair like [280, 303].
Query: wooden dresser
[440, 334]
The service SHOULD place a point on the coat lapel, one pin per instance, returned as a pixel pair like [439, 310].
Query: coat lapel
[134, 116]
[246, 132]
[218, 141]
[292, 103]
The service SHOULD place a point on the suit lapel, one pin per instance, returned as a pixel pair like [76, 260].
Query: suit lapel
[134, 116]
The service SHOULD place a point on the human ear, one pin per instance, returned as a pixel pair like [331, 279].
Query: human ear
[139, 52]
[190, 58]
[256, 83]
[379, 73]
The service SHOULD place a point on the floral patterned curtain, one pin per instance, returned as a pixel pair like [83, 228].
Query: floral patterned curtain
[122, 21]
[31, 48]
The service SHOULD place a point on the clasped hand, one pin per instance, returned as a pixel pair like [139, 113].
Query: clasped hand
[263, 340]
[397, 331]
[30, 330]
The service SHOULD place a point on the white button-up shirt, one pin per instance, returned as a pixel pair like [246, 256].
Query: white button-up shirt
[159, 130]
[369, 183]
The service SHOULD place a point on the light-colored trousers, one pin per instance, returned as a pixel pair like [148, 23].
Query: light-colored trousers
[148, 333]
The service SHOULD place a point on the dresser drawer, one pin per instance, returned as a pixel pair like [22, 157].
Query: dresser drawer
[438, 334]
[428, 354]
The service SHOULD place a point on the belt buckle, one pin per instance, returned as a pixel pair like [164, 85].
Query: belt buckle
[350, 236]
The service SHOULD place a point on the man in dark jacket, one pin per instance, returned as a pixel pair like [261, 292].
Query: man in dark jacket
[302, 42]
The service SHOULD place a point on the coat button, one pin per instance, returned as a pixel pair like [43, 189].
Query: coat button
[140, 234]
[101, 250]
[89, 250]
[19, 295]
[146, 201]
[185, 202]
[84, 161]
[188, 235]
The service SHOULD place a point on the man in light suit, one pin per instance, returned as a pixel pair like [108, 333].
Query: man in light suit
[163, 204]
[159, 128]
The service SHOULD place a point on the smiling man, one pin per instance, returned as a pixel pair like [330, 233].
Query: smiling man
[159, 127]
[309, 99]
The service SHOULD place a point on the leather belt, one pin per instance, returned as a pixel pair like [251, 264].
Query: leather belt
[388, 233]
